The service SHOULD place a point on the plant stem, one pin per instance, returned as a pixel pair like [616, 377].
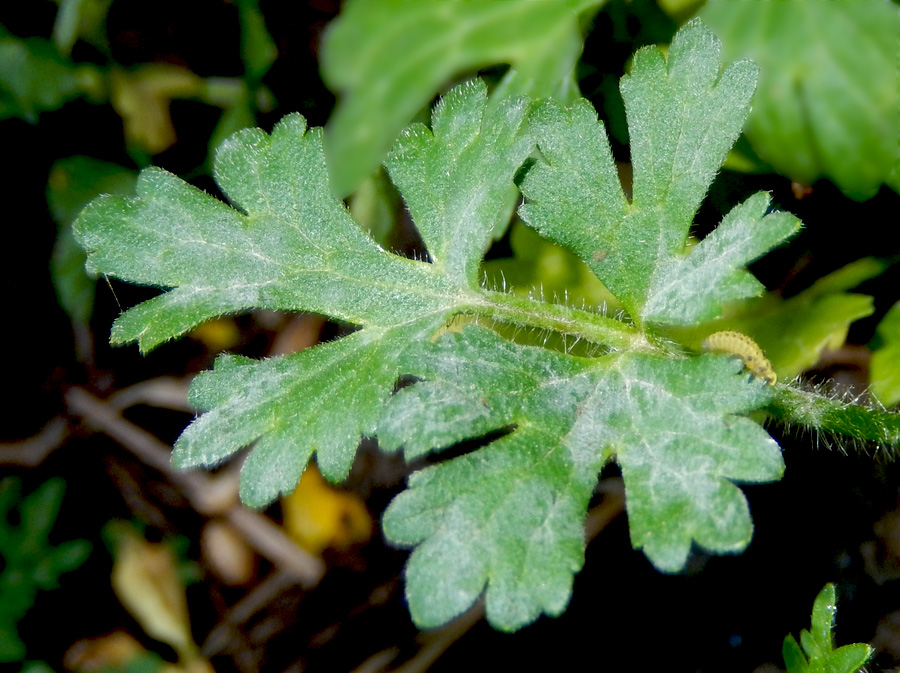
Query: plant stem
[813, 410]
[528, 312]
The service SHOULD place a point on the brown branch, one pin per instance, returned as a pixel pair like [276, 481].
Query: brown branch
[209, 495]
[34, 450]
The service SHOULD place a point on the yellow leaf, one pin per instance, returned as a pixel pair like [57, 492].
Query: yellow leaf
[146, 580]
[217, 335]
[117, 651]
[142, 97]
[318, 516]
[114, 650]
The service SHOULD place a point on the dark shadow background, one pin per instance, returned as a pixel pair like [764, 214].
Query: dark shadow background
[723, 614]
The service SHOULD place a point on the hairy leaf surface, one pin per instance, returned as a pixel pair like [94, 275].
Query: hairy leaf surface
[506, 519]
[516, 507]
[289, 244]
[683, 117]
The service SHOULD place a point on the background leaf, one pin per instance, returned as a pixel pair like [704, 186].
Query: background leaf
[72, 183]
[884, 369]
[28, 562]
[388, 57]
[794, 332]
[827, 102]
[34, 78]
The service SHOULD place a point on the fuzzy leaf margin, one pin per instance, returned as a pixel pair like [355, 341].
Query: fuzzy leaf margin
[515, 508]
[684, 114]
[506, 519]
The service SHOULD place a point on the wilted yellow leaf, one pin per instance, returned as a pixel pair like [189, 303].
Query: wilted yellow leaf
[114, 650]
[142, 98]
[217, 335]
[318, 516]
[146, 581]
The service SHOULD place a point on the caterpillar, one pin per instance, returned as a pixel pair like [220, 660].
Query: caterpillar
[745, 348]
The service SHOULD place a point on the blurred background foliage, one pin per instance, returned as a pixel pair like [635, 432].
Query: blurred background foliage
[91, 91]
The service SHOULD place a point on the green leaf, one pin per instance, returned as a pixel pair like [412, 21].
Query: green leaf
[793, 656]
[11, 646]
[295, 247]
[317, 401]
[388, 58]
[377, 206]
[893, 179]
[823, 612]
[850, 658]
[73, 182]
[34, 78]
[884, 368]
[84, 19]
[684, 116]
[515, 508]
[36, 667]
[827, 103]
[27, 560]
[506, 519]
[793, 332]
[539, 263]
[449, 220]
[820, 655]
[38, 513]
[258, 50]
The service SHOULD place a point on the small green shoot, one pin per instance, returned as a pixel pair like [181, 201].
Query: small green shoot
[818, 654]
[30, 563]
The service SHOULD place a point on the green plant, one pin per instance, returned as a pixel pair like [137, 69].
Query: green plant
[391, 56]
[30, 562]
[505, 519]
[818, 654]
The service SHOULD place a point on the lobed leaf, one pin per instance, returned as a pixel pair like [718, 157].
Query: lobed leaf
[793, 332]
[293, 246]
[669, 423]
[389, 57]
[451, 177]
[506, 519]
[318, 401]
[684, 116]
[818, 654]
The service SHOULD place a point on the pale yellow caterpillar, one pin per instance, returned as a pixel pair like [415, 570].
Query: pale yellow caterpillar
[746, 349]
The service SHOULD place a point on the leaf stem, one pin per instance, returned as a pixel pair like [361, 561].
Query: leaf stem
[529, 312]
[813, 410]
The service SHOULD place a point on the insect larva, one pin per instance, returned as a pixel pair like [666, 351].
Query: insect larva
[746, 349]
